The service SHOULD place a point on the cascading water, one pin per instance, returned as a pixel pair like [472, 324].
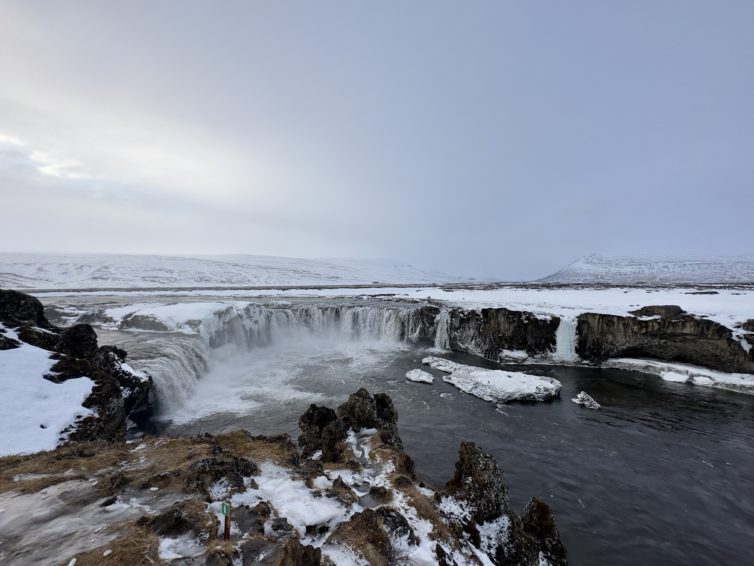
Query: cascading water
[442, 330]
[245, 334]
[565, 340]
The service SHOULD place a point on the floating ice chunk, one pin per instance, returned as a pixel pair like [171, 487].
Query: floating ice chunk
[684, 373]
[586, 400]
[496, 385]
[420, 376]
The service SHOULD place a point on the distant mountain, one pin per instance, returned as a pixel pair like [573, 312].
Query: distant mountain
[88, 271]
[636, 270]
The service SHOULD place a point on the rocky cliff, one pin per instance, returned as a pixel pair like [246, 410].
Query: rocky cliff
[659, 332]
[663, 333]
[487, 332]
[119, 393]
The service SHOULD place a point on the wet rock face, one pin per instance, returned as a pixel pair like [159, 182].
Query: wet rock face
[117, 394]
[8, 343]
[365, 532]
[79, 341]
[488, 520]
[232, 469]
[20, 309]
[364, 411]
[479, 481]
[486, 333]
[674, 337]
[663, 311]
[316, 432]
[540, 524]
[326, 430]
[262, 552]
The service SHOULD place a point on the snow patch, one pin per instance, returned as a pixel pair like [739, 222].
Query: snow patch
[34, 411]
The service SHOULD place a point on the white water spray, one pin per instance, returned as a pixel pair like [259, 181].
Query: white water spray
[442, 330]
[565, 340]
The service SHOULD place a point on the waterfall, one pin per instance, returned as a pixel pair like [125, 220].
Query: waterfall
[565, 340]
[442, 330]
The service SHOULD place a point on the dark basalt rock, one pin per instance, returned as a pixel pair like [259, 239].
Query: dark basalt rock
[364, 411]
[171, 522]
[664, 311]
[250, 520]
[478, 484]
[263, 552]
[20, 309]
[748, 325]
[8, 343]
[539, 523]
[479, 481]
[675, 338]
[312, 423]
[204, 473]
[326, 430]
[116, 395]
[79, 341]
[365, 531]
[487, 332]
[396, 524]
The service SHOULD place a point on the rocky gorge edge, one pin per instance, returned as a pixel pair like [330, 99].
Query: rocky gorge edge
[659, 332]
[347, 494]
[119, 393]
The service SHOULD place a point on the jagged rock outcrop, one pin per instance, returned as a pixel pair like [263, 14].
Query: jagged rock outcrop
[477, 497]
[324, 429]
[487, 332]
[118, 394]
[670, 335]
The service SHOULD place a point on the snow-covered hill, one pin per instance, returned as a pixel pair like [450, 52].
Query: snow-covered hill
[634, 270]
[79, 271]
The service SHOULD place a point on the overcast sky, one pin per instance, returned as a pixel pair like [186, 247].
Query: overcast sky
[492, 139]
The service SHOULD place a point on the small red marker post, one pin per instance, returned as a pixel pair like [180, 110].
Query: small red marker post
[226, 511]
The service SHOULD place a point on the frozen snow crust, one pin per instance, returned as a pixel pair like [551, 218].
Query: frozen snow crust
[349, 496]
[88, 271]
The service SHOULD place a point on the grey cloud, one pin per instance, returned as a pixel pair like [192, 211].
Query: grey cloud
[499, 140]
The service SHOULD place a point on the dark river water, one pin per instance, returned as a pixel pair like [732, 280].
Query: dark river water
[662, 474]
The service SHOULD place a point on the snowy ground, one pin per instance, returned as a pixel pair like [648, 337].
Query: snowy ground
[656, 270]
[33, 410]
[86, 271]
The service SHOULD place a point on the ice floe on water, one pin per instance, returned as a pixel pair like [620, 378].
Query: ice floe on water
[586, 400]
[496, 385]
[420, 376]
[684, 373]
